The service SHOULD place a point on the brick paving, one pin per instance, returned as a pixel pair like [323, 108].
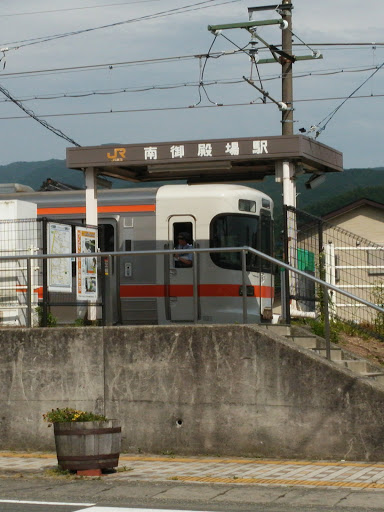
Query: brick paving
[351, 475]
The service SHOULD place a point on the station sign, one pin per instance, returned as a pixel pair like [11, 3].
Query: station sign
[234, 158]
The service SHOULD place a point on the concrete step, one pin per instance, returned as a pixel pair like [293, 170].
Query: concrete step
[375, 376]
[309, 341]
[336, 353]
[356, 365]
[318, 345]
[279, 329]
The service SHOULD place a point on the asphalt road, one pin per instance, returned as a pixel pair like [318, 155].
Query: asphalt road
[60, 495]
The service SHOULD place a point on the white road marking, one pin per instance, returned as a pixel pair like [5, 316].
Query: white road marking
[119, 509]
[22, 502]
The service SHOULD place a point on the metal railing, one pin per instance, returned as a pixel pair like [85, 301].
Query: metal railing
[326, 287]
[339, 257]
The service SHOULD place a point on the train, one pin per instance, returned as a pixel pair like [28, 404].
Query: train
[147, 289]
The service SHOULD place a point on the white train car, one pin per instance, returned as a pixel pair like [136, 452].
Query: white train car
[151, 289]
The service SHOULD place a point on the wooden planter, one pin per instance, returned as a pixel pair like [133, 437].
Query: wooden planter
[88, 444]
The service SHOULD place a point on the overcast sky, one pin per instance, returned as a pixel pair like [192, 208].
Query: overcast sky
[356, 129]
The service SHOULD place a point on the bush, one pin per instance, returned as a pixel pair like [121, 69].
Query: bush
[51, 320]
[318, 328]
[69, 415]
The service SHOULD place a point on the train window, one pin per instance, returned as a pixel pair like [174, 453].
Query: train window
[183, 230]
[107, 235]
[265, 203]
[245, 205]
[237, 230]
[107, 241]
[234, 231]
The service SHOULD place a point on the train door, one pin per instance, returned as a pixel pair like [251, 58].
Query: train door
[108, 243]
[265, 245]
[181, 272]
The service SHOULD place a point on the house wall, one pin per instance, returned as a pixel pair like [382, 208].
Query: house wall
[365, 221]
[355, 237]
[217, 390]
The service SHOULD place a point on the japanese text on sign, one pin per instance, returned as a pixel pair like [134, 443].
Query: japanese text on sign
[206, 149]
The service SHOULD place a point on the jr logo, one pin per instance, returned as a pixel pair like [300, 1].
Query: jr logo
[118, 155]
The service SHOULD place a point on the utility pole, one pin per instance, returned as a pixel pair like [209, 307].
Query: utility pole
[285, 171]
[287, 79]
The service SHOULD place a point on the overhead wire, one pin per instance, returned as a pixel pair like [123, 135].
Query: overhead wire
[178, 85]
[274, 49]
[339, 44]
[76, 8]
[253, 59]
[319, 128]
[108, 65]
[31, 114]
[301, 41]
[201, 77]
[178, 10]
[184, 107]
[111, 65]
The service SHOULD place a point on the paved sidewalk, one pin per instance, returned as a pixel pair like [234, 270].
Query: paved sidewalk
[347, 475]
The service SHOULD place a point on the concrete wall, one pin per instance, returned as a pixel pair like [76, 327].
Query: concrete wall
[218, 390]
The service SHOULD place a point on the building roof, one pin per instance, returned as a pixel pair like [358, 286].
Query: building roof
[210, 160]
[352, 206]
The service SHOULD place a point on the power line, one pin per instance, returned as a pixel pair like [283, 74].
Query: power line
[189, 107]
[108, 92]
[178, 10]
[107, 65]
[338, 44]
[76, 8]
[201, 84]
[110, 65]
[303, 43]
[179, 85]
[319, 128]
[31, 114]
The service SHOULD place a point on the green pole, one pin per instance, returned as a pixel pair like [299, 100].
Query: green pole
[244, 24]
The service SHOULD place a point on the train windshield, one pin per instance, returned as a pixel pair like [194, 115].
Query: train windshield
[237, 230]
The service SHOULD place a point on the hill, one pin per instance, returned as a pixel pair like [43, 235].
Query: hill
[34, 174]
[338, 189]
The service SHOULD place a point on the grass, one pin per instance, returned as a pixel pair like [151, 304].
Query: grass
[58, 472]
[123, 469]
[336, 328]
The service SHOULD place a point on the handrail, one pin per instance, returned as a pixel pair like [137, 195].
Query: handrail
[205, 250]
[243, 250]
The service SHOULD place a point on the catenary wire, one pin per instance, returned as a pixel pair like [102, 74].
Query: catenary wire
[201, 77]
[76, 8]
[32, 115]
[185, 107]
[109, 65]
[178, 10]
[301, 41]
[330, 116]
[169, 86]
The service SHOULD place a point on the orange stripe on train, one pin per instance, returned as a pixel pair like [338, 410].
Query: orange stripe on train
[71, 210]
[186, 290]
[179, 290]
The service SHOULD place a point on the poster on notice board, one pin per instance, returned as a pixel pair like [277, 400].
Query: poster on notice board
[60, 269]
[86, 268]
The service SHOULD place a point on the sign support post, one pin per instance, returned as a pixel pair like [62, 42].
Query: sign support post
[91, 215]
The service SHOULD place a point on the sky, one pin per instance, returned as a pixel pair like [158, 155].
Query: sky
[137, 81]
